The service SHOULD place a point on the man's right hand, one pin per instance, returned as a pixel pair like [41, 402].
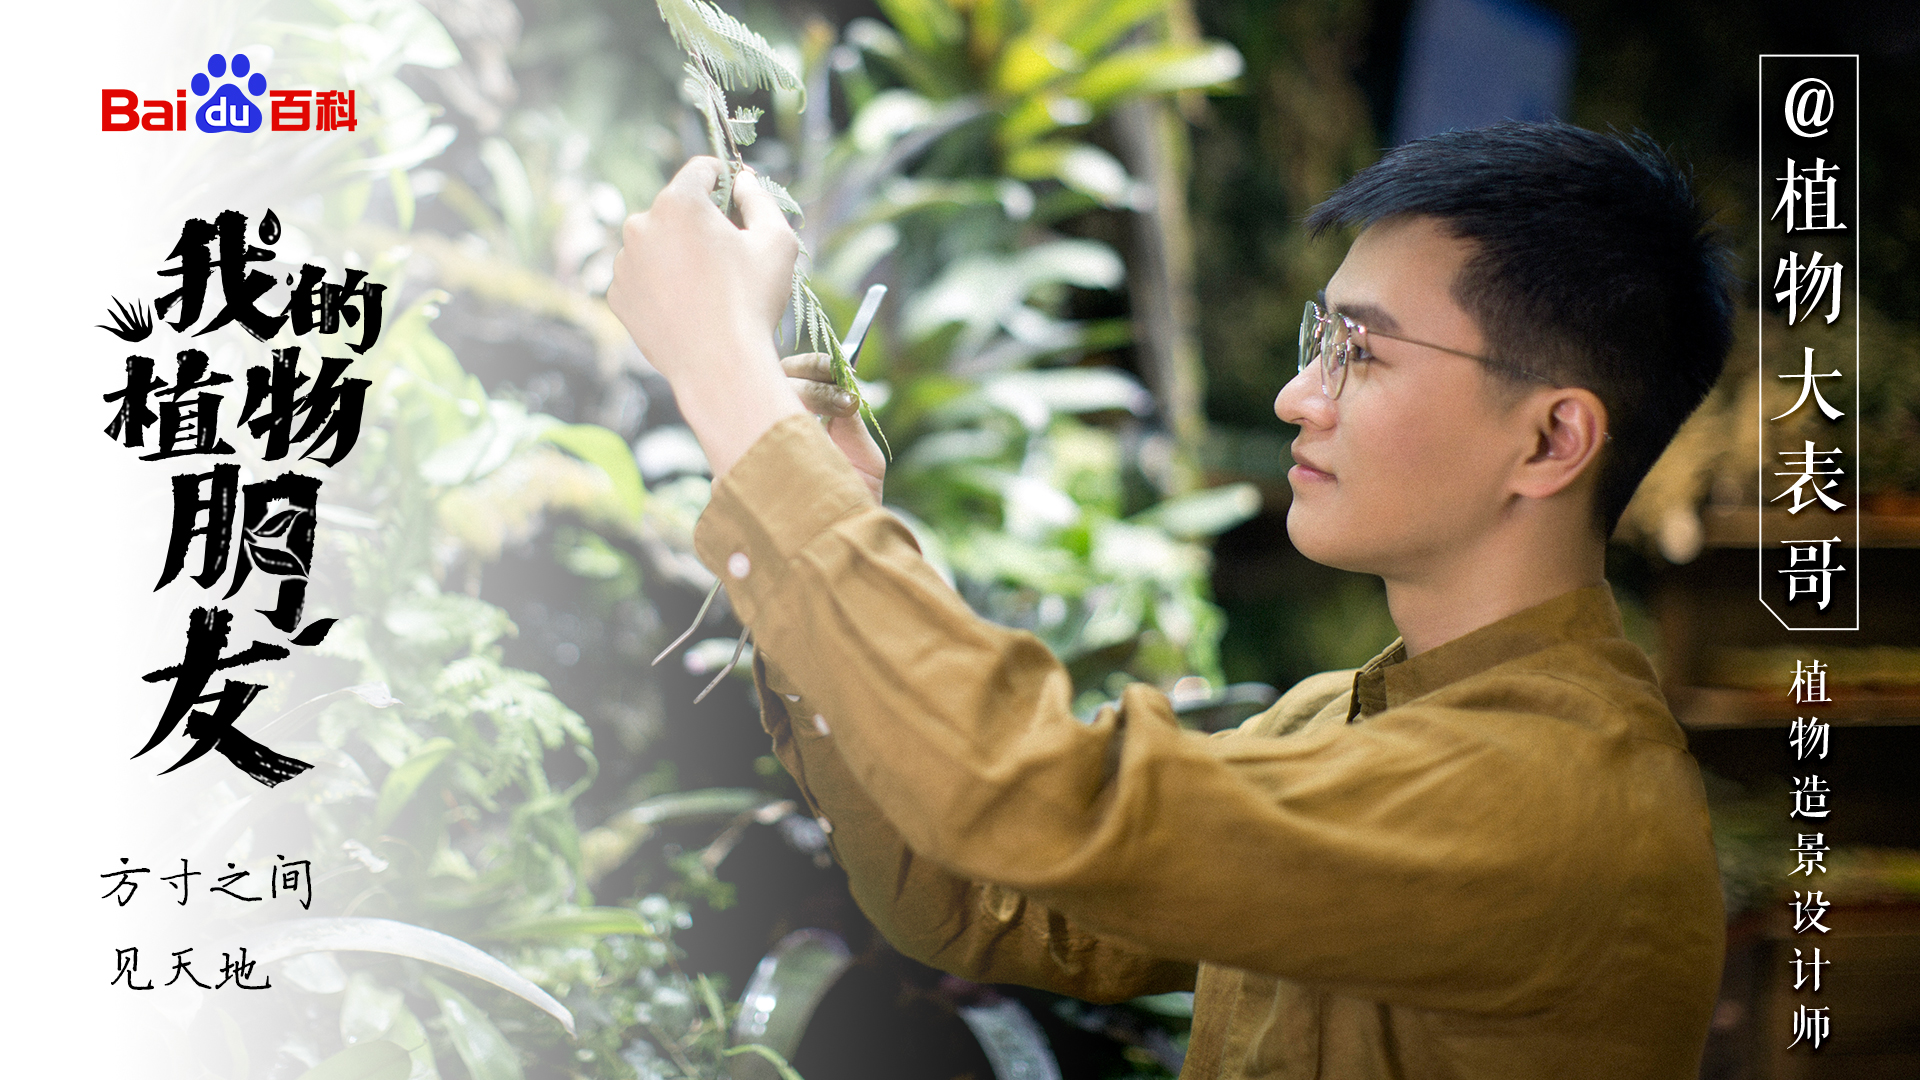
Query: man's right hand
[811, 377]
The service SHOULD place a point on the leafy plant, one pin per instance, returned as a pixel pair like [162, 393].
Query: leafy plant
[1027, 469]
[724, 55]
[452, 781]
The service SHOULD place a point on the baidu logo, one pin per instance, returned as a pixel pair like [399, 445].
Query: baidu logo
[235, 102]
[229, 109]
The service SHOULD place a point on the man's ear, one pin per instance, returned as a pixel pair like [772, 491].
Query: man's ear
[1570, 433]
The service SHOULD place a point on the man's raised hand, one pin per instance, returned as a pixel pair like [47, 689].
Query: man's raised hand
[701, 297]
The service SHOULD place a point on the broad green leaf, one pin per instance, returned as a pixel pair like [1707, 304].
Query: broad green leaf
[1116, 615]
[425, 381]
[906, 195]
[609, 845]
[512, 194]
[711, 999]
[1204, 513]
[930, 26]
[1136, 553]
[1157, 69]
[888, 116]
[1086, 264]
[374, 694]
[590, 922]
[785, 991]
[369, 1010]
[609, 453]
[940, 74]
[1042, 112]
[405, 780]
[487, 1053]
[1060, 17]
[706, 802]
[779, 1063]
[423, 41]
[506, 428]
[376, 1060]
[853, 258]
[1080, 166]
[991, 22]
[590, 557]
[296, 937]
[1107, 21]
[1032, 61]
[982, 292]
[1037, 396]
[1177, 1004]
[985, 555]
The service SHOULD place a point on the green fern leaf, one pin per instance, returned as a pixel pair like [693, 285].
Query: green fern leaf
[810, 318]
[742, 125]
[785, 200]
[739, 58]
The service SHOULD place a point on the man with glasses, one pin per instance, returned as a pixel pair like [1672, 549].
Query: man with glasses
[1485, 853]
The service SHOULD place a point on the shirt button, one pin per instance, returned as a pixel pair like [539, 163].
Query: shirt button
[820, 724]
[825, 825]
[737, 564]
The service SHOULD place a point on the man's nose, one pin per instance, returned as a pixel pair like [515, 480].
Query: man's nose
[1301, 402]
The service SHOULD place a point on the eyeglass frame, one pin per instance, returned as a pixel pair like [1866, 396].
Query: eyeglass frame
[1315, 316]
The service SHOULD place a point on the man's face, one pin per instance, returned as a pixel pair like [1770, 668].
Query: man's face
[1409, 467]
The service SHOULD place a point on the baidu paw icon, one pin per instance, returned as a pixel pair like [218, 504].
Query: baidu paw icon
[231, 108]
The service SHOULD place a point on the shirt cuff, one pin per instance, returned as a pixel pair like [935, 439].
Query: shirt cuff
[790, 485]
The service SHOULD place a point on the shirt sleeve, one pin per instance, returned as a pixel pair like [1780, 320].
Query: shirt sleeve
[977, 930]
[1393, 859]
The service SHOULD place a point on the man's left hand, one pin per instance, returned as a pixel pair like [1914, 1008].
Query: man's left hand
[701, 297]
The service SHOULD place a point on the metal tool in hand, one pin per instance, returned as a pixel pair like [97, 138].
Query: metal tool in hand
[862, 319]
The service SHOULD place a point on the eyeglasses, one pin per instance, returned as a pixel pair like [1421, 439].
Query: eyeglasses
[1332, 339]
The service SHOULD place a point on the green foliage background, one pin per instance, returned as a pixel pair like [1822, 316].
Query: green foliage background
[503, 788]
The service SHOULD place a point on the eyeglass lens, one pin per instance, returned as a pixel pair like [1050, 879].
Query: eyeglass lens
[1324, 338]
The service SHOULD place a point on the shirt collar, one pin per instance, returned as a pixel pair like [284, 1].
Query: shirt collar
[1391, 679]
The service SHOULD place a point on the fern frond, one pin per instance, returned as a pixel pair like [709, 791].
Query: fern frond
[739, 58]
[866, 413]
[741, 124]
[785, 200]
[706, 95]
[810, 318]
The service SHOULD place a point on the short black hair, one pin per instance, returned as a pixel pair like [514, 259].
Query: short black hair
[1596, 267]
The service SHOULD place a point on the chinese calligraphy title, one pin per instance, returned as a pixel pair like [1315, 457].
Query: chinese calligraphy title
[287, 415]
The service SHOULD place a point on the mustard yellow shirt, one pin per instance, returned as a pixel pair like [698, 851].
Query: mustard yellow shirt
[1491, 860]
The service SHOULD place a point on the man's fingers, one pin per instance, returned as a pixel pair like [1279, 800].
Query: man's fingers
[758, 211]
[824, 398]
[817, 366]
[811, 376]
[697, 178]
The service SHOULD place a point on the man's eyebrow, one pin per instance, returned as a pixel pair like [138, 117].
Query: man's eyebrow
[1363, 313]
